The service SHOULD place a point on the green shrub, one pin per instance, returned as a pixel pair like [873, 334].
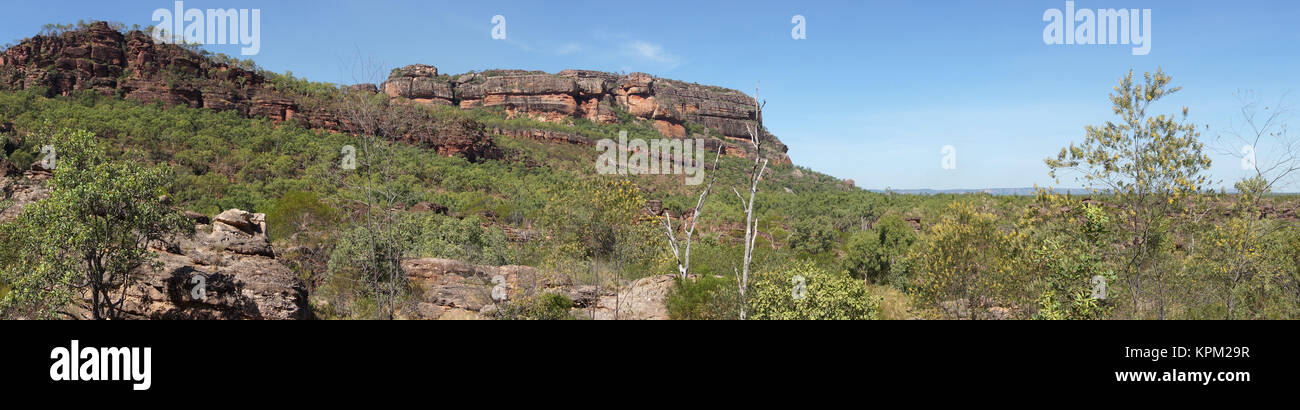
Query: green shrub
[296, 211]
[707, 297]
[549, 306]
[778, 295]
[22, 159]
[969, 257]
[544, 306]
[1067, 263]
[1068, 275]
[439, 236]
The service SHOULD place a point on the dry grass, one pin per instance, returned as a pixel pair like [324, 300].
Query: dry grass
[893, 302]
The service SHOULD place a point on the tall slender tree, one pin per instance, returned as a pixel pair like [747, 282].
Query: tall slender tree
[682, 249]
[1150, 163]
[754, 175]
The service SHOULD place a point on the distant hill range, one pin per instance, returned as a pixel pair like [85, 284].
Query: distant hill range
[1016, 191]
[991, 191]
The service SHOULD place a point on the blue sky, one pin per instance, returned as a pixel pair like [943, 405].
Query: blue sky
[873, 93]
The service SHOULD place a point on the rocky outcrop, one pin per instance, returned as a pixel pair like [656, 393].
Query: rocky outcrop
[463, 289]
[451, 289]
[594, 95]
[231, 264]
[18, 191]
[100, 58]
[231, 258]
[241, 232]
[426, 206]
[540, 96]
[418, 83]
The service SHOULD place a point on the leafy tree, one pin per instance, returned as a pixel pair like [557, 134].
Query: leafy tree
[1149, 163]
[597, 230]
[873, 254]
[91, 234]
[365, 274]
[814, 235]
[21, 159]
[1286, 281]
[307, 223]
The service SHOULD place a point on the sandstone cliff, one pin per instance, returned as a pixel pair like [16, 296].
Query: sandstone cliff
[593, 95]
[100, 58]
[131, 65]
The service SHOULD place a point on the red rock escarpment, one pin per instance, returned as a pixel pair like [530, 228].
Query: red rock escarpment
[99, 57]
[594, 95]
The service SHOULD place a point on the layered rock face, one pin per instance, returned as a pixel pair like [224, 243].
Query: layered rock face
[594, 95]
[131, 65]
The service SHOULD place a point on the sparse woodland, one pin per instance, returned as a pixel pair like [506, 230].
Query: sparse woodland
[1154, 238]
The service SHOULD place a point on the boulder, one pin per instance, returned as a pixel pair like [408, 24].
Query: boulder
[429, 207]
[241, 232]
[242, 220]
[205, 277]
[654, 206]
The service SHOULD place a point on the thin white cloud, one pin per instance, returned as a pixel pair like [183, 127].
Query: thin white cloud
[518, 44]
[652, 52]
[569, 48]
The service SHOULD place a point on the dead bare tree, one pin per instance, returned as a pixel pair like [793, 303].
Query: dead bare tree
[682, 251]
[367, 115]
[755, 174]
[1263, 128]
[1272, 154]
